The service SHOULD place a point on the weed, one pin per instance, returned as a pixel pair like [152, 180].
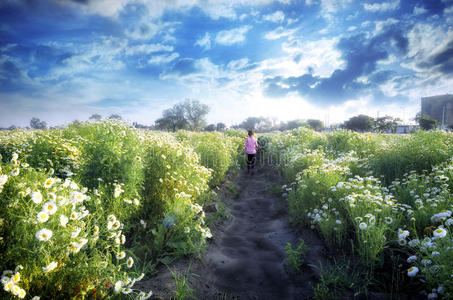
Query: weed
[295, 256]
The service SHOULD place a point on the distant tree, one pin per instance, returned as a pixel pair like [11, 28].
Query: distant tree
[292, 124]
[210, 127]
[141, 126]
[115, 117]
[96, 117]
[172, 119]
[387, 123]
[36, 123]
[257, 123]
[12, 127]
[186, 115]
[315, 124]
[425, 121]
[220, 126]
[359, 123]
[195, 112]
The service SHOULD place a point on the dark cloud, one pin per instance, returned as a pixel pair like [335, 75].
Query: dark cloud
[81, 1]
[381, 76]
[361, 56]
[9, 68]
[182, 67]
[435, 7]
[11, 76]
[441, 62]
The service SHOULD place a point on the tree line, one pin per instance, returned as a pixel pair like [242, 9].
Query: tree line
[191, 115]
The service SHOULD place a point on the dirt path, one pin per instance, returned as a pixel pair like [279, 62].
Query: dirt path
[246, 259]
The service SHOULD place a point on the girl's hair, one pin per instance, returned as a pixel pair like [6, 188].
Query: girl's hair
[251, 132]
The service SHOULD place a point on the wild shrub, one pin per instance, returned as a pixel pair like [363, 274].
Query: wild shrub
[52, 246]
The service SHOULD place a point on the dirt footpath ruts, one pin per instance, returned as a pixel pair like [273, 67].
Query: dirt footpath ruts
[246, 258]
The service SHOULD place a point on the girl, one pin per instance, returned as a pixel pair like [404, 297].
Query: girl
[250, 147]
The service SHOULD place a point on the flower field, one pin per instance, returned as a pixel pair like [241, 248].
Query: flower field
[89, 209]
[385, 201]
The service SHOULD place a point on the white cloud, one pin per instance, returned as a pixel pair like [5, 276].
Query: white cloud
[419, 10]
[382, 25]
[7, 47]
[352, 28]
[331, 6]
[162, 59]
[237, 64]
[279, 32]
[147, 49]
[106, 8]
[233, 36]
[381, 7]
[321, 55]
[103, 55]
[156, 8]
[276, 17]
[424, 41]
[204, 42]
[146, 29]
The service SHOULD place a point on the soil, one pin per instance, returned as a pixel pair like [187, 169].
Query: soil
[246, 259]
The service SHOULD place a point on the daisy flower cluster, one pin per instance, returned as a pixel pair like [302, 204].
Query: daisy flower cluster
[350, 192]
[51, 217]
[67, 192]
[10, 280]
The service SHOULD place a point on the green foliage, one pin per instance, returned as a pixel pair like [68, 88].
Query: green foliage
[359, 123]
[183, 290]
[341, 278]
[173, 182]
[36, 123]
[416, 152]
[51, 244]
[217, 152]
[426, 122]
[386, 123]
[259, 124]
[295, 256]
[406, 212]
[121, 190]
[345, 141]
[315, 124]
[189, 114]
[111, 164]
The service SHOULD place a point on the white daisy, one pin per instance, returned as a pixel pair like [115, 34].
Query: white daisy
[118, 286]
[412, 271]
[49, 182]
[439, 233]
[43, 216]
[130, 262]
[363, 226]
[36, 197]
[63, 220]
[50, 207]
[44, 234]
[121, 255]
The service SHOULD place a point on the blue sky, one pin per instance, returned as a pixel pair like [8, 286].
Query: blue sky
[63, 60]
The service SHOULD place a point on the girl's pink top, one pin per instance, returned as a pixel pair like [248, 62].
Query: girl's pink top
[250, 145]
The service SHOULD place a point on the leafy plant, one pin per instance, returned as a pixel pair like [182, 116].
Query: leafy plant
[295, 256]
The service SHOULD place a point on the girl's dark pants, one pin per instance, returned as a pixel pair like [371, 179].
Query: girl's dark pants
[251, 158]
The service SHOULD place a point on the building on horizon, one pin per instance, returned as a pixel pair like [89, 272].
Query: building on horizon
[439, 108]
